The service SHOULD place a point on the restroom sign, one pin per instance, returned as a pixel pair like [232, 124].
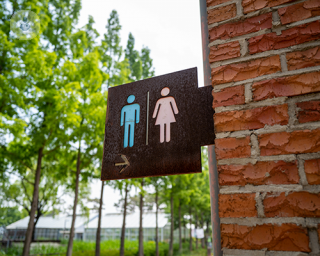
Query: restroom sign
[157, 126]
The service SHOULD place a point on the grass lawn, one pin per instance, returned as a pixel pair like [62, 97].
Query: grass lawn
[108, 248]
[199, 252]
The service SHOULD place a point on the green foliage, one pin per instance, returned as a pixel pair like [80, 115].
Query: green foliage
[133, 57]
[53, 97]
[108, 248]
[9, 215]
[37, 249]
[147, 69]
[140, 63]
[111, 52]
[199, 252]
[190, 192]
[37, 102]
[53, 102]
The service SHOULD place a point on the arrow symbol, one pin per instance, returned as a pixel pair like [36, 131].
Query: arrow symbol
[126, 163]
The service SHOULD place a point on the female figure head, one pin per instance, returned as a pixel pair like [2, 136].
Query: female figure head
[165, 91]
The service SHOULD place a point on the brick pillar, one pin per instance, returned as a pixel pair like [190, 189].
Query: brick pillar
[265, 60]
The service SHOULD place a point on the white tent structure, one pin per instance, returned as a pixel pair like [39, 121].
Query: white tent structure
[111, 224]
[49, 227]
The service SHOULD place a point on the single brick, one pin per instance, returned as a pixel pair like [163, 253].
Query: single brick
[229, 96]
[253, 5]
[300, 11]
[285, 237]
[312, 170]
[261, 173]
[216, 2]
[287, 86]
[224, 51]
[304, 59]
[222, 13]
[251, 119]
[245, 70]
[296, 142]
[309, 111]
[293, 36]
[233, 147]
[237, 205]
[239, 28]
[295, 204]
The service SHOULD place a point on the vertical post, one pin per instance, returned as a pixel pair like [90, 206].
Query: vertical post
[98, 234]
[205, 43]
[214, 193]
[213, 172]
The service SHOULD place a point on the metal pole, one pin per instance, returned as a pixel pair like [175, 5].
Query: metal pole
[205, 43]
[213, 171]
[214, 199]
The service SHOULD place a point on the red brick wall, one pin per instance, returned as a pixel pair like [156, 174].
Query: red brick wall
[265, 61]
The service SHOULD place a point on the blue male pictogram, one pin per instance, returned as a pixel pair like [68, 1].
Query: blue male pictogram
[130, 114]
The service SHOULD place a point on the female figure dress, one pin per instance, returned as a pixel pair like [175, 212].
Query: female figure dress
[167, 108]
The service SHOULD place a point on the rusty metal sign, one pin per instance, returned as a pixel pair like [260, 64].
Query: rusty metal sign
[157, 126]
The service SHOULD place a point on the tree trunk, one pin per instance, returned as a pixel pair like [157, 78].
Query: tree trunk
[180, 238]
[202, 226]
[27, 241]
[196, 227]
[190, 240]
[71, 233]
[123, 231]
[157, 237]
[207, 233]
[99, 221]
[171, 227]
[35, 224]
[140, 227]
[33, 239]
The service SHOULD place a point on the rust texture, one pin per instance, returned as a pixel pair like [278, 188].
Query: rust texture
[193, 128]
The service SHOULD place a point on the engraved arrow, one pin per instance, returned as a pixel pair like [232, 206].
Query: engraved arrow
[126, 163]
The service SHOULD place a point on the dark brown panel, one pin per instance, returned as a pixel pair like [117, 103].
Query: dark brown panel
[193, 127]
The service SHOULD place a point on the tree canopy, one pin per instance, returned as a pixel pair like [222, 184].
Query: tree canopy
[53, 98]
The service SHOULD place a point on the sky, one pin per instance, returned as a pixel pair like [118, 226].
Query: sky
[169, 28]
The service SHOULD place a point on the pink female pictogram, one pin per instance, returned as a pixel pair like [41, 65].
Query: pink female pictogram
[167, 108]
